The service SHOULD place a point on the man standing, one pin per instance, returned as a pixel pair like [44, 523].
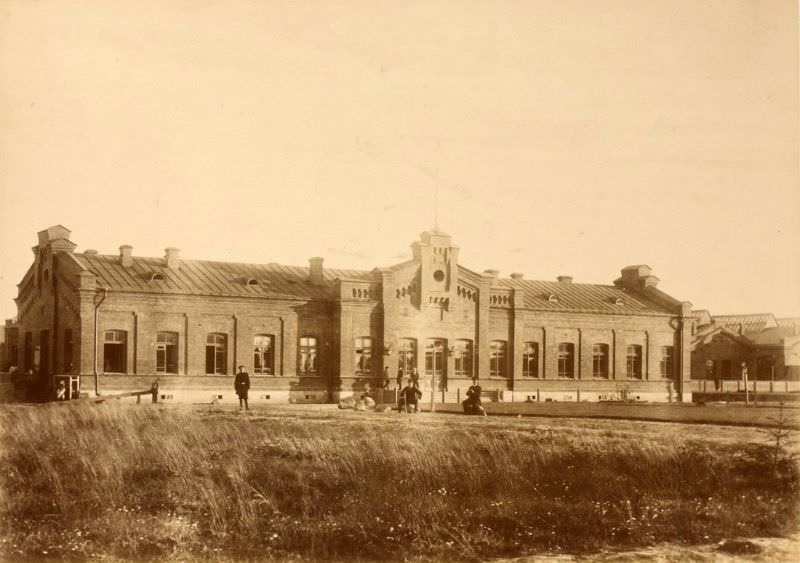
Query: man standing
[242, 386]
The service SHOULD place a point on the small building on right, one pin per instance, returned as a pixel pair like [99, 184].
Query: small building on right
[768, 346]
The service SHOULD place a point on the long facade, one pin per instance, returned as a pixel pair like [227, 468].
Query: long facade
[313, 334]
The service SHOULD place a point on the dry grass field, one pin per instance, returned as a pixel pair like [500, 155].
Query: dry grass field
[153, 482]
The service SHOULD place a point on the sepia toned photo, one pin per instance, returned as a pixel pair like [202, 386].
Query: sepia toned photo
[361, 281]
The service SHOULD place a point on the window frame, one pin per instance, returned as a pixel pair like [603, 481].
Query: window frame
[530, 359]
[308, 356]
[119, 338]
[463, 358]
[220, 347]
[498, 358]
[362, 355]
[164, 346]
[600, 360]
[633, 361]
[666, 364]
[263, 354]
[566, 360]
[406, 355]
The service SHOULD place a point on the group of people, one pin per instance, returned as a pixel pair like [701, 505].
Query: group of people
[407, 401]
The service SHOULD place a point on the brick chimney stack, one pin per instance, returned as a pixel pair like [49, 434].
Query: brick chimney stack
[125, 257]
[316, 275]
[171, 257]
[564, 279]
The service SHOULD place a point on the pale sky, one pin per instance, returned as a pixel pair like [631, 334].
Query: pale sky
[566, 137]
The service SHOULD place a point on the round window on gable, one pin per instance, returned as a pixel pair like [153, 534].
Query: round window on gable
[438, 275]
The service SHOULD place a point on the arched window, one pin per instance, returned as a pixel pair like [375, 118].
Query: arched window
[600, 360]
[566, 359]
[114, 351]
[462, 357]
[363, 355]
[406, 355]
[216, 353]
[497, 358]
[264, 354]
[167, 352]
[530, 359]
[435, 357]
[308, 356]
[634, 361]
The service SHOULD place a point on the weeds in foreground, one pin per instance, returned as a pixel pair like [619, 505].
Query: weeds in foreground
[90, 481]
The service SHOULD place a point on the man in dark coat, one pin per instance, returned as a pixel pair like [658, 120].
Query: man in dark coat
[472, 404]
[242, 386]
[409, 396]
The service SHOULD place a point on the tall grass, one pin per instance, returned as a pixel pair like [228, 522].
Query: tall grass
[149, 482]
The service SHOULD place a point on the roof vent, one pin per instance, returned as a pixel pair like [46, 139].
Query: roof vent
[492, 273]
[564, 279]
[251, 281]
[156, 276]
[90, 252]
[125, 257]
[552, 298]
[617, 301]
[516, 276]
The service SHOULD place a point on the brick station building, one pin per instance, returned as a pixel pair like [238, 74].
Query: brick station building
[314, 334]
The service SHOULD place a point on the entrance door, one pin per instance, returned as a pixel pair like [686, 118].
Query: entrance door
[436, 363]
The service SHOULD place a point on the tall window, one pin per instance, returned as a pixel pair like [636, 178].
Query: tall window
[28, 351]
[435, 356]
[406, 355]
[634, 361]
[363, 355]
[216, 353]
[530, 359]
[497, 358]
[566, 359]
[264, 354]
[167, 352]
[462, 357]
[600, 360]
[666, 366]
[308, 355]
[67, 366]
[114, 353]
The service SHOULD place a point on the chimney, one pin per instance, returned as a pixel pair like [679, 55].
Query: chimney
[516, 276]
[171, 259]
[492, 273]
[636, 278]
[125, 257]
[564, 279]
[315, 270]
[90, 252]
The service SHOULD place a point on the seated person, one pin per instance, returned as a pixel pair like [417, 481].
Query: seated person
[409, 397]
[365, 403]
[472, 404]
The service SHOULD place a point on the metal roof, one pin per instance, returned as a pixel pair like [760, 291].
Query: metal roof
[747, 323]
[201, 277]
[584, 297]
